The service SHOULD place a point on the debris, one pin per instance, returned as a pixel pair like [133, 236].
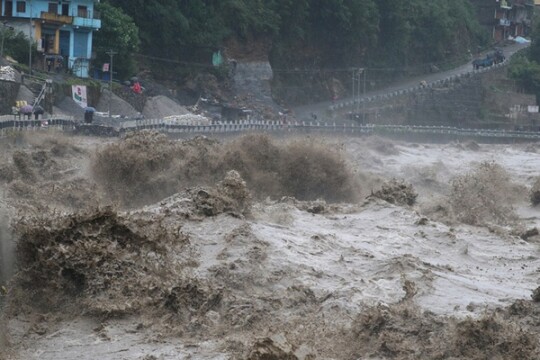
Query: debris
[529, 233]
[396, 192]
[535, 192]
[536, 295]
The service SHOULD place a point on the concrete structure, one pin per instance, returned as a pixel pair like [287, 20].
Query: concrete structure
[504, 18]
[62, 29]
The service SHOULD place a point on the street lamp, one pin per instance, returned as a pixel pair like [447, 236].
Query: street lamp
[111, 53]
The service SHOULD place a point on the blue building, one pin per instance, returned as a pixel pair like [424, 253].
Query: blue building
[61, 28]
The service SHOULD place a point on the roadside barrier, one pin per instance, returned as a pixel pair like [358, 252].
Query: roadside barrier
[450, 79]
[443, 132]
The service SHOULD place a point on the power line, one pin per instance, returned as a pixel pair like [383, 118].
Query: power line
[174, 61]
[309, 70]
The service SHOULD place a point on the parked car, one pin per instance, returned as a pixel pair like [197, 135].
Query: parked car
[497, 56]
[493, 57]
[481, 63]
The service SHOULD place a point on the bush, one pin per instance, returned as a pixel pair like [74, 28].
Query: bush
[16, 45]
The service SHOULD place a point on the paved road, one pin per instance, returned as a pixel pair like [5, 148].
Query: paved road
[304, 112]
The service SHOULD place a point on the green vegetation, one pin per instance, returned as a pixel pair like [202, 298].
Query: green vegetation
[525, 67]
[120, 34]
[16, 45]
[302, 34]
[387, 30]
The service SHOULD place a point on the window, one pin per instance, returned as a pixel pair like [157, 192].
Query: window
[53, 8]
[82, 11]
[65, 9]
[21, 6]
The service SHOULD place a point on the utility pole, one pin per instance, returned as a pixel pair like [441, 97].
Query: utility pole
[111, 53]
[364, 94]
[353, 82]
[30, 45]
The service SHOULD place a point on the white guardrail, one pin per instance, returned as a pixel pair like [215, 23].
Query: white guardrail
[77, 127]
[413, 89]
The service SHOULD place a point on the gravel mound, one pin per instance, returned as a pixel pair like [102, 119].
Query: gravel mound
[118, 105]
[25, 94]
[68, 107]
[7, 73]
[161, 106]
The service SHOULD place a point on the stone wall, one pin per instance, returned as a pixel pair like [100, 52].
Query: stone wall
[8, 96]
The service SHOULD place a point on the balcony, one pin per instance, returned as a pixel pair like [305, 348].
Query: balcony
[55, 18]
[86, 20]
[504, 22]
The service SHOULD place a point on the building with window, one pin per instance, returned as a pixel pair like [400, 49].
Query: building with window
[62, 29]
[504, 18]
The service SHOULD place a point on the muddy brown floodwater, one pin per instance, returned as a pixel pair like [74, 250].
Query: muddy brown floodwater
[264, 248]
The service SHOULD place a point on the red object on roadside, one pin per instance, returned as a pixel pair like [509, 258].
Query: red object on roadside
[137, 89]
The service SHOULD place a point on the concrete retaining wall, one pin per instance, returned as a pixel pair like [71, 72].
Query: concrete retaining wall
[8, 94]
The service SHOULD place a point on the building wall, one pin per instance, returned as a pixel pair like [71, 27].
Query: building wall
[518, 15]
[35, 7]
[78, 48]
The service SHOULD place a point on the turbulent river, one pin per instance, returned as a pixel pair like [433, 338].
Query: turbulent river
[265, 248]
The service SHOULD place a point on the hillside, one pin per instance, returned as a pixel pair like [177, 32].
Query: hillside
[308, 43]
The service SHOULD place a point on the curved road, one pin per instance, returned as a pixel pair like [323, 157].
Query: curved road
[304, 112]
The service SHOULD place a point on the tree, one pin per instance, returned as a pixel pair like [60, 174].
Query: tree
[16, 45]
[527, 73]
[525, 67]
[119, 33]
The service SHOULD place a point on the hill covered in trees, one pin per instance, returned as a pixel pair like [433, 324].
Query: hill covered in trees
[303, 39]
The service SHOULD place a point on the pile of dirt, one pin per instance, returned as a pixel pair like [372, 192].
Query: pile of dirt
[482, 195]
[8, 73]
[161, 106]
[118, 105]
[68, 107]
[25, 94]
[187, 119]
[397, 192]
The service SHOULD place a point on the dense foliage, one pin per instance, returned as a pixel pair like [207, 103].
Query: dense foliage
[411, 31]
[119, 33]
[309, 34]
[525, 67]
[16, 45]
